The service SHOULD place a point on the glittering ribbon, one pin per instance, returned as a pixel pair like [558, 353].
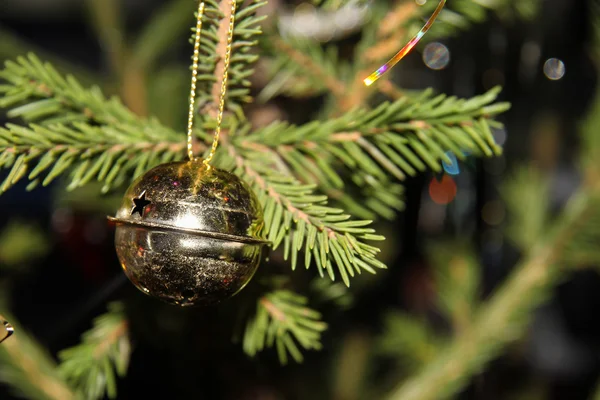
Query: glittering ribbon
[406, 49]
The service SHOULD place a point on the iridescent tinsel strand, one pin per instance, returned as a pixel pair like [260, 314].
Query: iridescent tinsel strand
[406, 49]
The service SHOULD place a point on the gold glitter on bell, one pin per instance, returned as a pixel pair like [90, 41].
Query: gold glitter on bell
[189, 234]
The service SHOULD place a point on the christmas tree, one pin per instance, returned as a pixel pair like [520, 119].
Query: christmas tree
[329, 159]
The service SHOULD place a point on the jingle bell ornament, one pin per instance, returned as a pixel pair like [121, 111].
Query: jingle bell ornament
[189, 234]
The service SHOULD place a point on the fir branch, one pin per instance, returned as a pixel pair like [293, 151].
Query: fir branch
[395, 140]
[379, 197]
[109, 154]
[296, 61]
[21, 242]
[93, 365]
[300, 219]
[298, 58]
[457, 281]
[387, 33]
[388, 30]
[582, 250]
[325, 291]
[301, 68]
[26, 367]
[456, 267]
[212, 52]
[369, 143]
[527, 195]
[107, 21]
[77, 130]
[409, 340]
[383, 36]
[501, 320]
[36, 92]
[283, 320]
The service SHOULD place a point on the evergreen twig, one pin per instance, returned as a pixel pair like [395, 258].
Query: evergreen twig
[501, 320]
[31, 372]
[93, 365]
[282, 319]
[296, 61]
[398, 139]
[409, 340]
[395, 140]
[78, 131]
[110, 154]
[300, 219]
[36, 92]
[212, 51]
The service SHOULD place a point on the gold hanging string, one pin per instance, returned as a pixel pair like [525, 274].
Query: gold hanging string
[223, 83]
[191, 113]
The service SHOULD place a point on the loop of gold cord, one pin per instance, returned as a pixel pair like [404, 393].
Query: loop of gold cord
[190, 129]
[223, 83]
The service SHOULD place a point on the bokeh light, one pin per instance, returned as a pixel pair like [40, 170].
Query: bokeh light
[500, 136]
[62, 220]
[554, 69]
[493, 213]
[436, 56]
[307, 21]
[442, 191]
[451, 168]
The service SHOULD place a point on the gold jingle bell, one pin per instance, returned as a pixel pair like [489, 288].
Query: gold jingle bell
[189, 234]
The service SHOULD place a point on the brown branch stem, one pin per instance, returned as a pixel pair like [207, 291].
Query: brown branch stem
[272, 192]
[120, 330]
[220, 52]
[272, 309]
[390, 40]
[335, 86]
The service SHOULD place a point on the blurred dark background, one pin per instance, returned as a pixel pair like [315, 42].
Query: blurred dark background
[188, 354]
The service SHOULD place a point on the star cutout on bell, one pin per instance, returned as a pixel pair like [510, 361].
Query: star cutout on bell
[140, 204]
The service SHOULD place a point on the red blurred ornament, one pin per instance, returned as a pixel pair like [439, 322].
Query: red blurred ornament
[442, 191]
